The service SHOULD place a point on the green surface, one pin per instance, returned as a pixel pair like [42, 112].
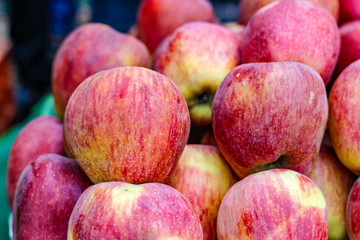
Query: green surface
[43, 107]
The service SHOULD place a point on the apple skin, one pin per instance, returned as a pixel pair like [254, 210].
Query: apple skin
[353, 212]
[344, 117]
[270, 115]
[209, 138]
[40, 136]
[197, 57]
[45, 197]
[315, 42]
[87, 50]
[349, 10]
[236, 28]
[275, 204]
[335, 182]
[203, 176]
[350, 46]
[248, 8]
[157, 19]
[127, 124]
[118, 210]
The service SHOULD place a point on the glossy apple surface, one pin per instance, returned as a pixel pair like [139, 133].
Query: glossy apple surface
[270, 115]
[127, 124]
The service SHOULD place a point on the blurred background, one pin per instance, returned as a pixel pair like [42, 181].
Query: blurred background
[30, 33]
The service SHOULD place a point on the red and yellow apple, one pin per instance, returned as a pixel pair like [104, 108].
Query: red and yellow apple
[45, 197]
[353, 212]
[335, 182]
[41, 135]
[275, 204]
[157, 19]
[293, 31]
[87, 50]
[270, 115]
[344, 117]
[248, 8]
[203, 177]
[127, 124]
[197, 57]
[117, 210]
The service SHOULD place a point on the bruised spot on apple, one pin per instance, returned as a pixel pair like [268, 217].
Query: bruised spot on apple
[197, 57]
[40, 136]
[293, 31]
[344, 117]
[127, 124]
[275, 204]
[117, 210]
[270, 115]
[45, 197]
[87, 50]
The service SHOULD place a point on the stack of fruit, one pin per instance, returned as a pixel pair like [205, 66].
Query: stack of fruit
[116, 165]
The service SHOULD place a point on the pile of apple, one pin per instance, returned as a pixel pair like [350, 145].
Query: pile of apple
[116, 164]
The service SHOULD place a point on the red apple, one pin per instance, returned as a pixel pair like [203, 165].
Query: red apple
[117, 210]
[349, 10]
[87, 50]
[156, 19]
[204, 177]
[353, 212]
[209, 138]
[276, 204]
[344, 117]
[197, 57]
[7, 87]
[350, 46]
[335, 182]
[295, 31]
[248, 8]
[41, 135]
[45, 197]
[270, 115]
[237, 29]
[127, 124]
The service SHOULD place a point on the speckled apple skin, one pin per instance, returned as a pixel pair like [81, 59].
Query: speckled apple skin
[353, 212]
[276, 204]
[293, 31]
[157, 19]
[41, 135]
[335, 182]
[248, 8]
[127, 124]
[197, 57]
[270, 115]
[204, 177]
[87, 50]
[349, 10]
[45, 197]
[344, 117]
[117, 210]
[350, 46]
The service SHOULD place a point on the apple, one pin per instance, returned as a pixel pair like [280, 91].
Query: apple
[87, 50]
[350, 46]
[127, 124]
[209, 138]
[352, 212]
[7, 87]
[335, 182]
[45, 197]
[248, 8]
[118, 210]
[344, 117]
[41, 135]
[270, 115]
[197, 57]
[236, 28]
[349, 10]
[203, 177]
[157, 19]
[275, 204]
[293, 31]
